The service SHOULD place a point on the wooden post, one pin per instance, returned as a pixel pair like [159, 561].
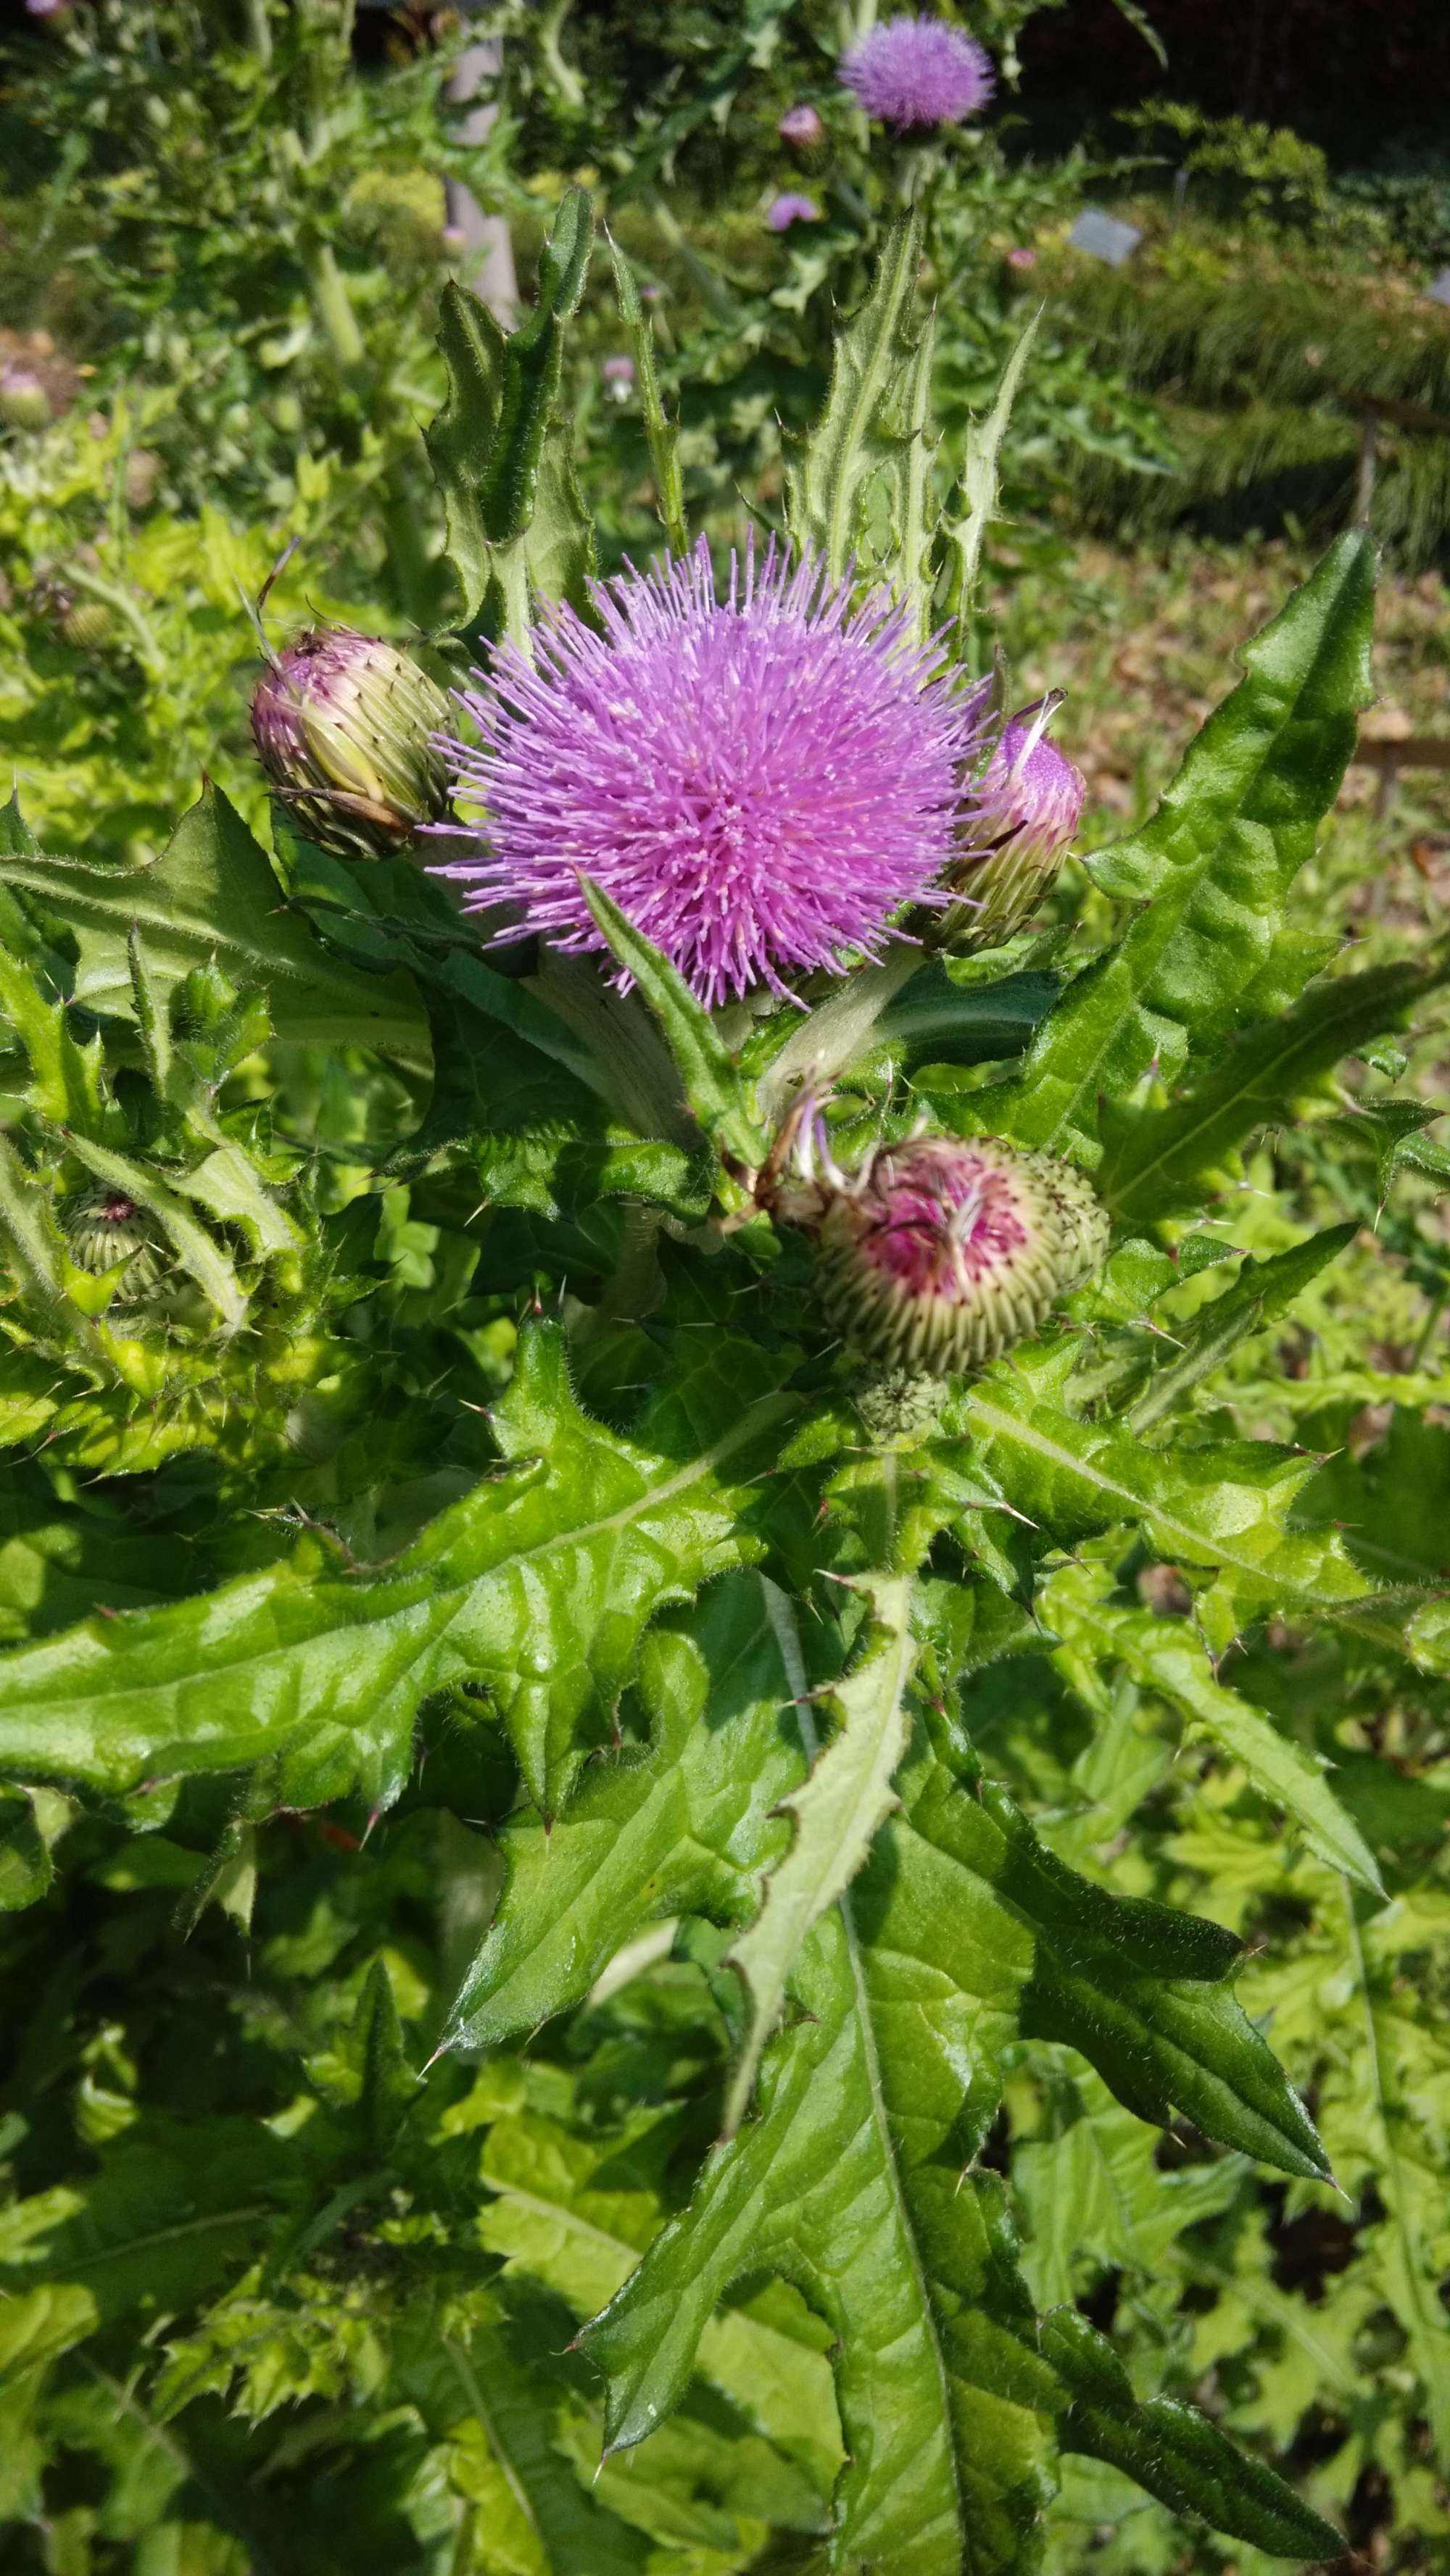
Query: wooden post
[487, 265]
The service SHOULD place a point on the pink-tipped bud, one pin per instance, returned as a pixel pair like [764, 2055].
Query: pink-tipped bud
[801, 125]
[1026, 807]
[939, 1254]
[346, 729]
[618, 375]
[104, 1230]
[24, 403]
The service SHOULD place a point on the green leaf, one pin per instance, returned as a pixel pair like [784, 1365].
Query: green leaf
[211, 896]
[1158, 1161]
[193, 1246]
[678, 1829]
[836, 1812]
[489, 446]
[712, 1086]
[1213, 866]
[67, 1079]
[37, 1246]
[661, 433]
[970, 512]
[1220, 1509]
[1167, 1656]
[537, 1586]
[944, 2406]
[861, 434]
[1262, 1291]
[1173, 2451]
[556, 2213]
[1140, 1989]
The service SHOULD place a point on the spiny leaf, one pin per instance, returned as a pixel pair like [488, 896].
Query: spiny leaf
[712, 1086]
[1175, 2452]
[836, 1812]
[67, 1079]
[969, 514]
[1262, 1291]
[1167, 1656]
[487, 446]
[1158, 1161]
[212, 896]
[537, 1586]
[829, 473]
[1213, 866]
[660, 431]
[1219, 1509]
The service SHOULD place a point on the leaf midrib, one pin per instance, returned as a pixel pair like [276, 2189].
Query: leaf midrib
[1301, 1040]
[782, 1621]
[1196, 1545]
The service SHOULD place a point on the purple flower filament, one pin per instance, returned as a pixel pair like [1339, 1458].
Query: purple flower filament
[759, 783]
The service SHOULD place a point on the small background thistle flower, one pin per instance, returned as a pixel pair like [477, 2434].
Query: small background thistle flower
[918, 73]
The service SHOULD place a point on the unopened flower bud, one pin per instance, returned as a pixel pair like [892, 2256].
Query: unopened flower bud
[88, 626]
[939, 1254]
[1026, 808]
[346, 729]
[103, 1228]
[801, 125]
[23, 400]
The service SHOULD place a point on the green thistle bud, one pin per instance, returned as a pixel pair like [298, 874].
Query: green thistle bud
[88, 625]
[346, 729]
[939, 1254]
[23, 400]
[103, 1229]
[1025, 810]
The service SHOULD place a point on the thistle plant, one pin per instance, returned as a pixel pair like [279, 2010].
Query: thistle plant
[624, 1947]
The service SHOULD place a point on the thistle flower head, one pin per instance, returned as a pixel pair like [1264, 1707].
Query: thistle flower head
[789, 208]
[801, 125]
[758, 782]
[104, 1229]
[938, 1254]
[345, 729]
[915, 73]
[1027, 805]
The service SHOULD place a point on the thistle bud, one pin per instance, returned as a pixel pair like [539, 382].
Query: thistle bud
[938, 1254]
[801, 125]
[345, 727]
[103, 1228]
[87, 625]
[23, 400]
[1026, 807]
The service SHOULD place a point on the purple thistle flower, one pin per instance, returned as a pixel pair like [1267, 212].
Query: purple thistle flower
[913, 72]
[759, 783]
[801, 125]
[791, 209]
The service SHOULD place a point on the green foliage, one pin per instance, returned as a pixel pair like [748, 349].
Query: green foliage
[612, 1974]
